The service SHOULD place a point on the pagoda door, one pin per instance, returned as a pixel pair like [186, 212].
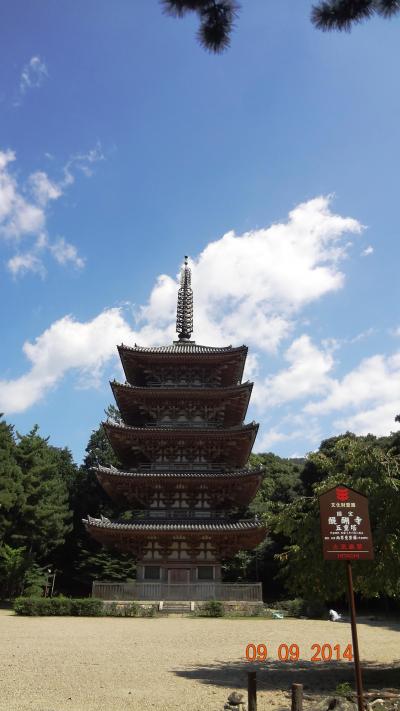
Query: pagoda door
[178, 576]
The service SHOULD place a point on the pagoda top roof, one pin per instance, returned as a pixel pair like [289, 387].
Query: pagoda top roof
[183, 348]
[176, 474]
[166, 525]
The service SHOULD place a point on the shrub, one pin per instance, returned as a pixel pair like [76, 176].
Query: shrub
[81, 607]
[344, 689]
[26, 605]
[316, 609]
[35, 606]
[132, 610]
[298, 607]
[258, 611]
[292, 608]
[86, 607]
[212, 608]
[113, 609]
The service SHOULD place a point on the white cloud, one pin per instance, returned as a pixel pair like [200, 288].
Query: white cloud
[18, 217]
[250, 287]
[306, 375]
[247, 288]
[65, 345]
[377, 420]
[367, 251]
[33, 75]
[64, 252]
[368, 397]
[26, 262]
[43, 189]
[24, 211]
[290, 428]
[83, 162]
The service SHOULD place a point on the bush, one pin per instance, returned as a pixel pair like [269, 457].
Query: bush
[298, 607]
[26, 605]
[316, 609]
[292, 608]
[113, 609]
[81, 607]
[86, 607]
[212, 608]
[35, 606]
[344, 689]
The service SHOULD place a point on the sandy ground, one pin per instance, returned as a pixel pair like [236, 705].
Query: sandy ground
[112, 664]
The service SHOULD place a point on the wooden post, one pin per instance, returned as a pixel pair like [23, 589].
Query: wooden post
[297, 697]
[251, 691]
[360, 699]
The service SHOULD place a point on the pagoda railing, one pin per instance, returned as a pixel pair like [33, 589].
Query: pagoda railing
[188, 425]
[178, 466]
[156, 591]
[172, 386]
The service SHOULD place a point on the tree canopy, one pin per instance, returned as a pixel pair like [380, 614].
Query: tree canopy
[217, 17]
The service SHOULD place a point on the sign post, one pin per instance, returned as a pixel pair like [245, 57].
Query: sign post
[346, 535]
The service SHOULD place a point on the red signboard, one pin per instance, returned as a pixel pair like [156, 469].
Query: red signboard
[345, 526]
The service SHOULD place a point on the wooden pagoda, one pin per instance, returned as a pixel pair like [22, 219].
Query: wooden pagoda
[182, 447]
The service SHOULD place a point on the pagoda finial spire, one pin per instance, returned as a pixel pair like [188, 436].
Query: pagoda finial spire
[184, 311]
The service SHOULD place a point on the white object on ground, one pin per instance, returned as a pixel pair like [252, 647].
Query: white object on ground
[334, 616]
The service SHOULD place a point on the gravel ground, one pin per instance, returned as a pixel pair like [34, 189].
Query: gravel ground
[111, 664]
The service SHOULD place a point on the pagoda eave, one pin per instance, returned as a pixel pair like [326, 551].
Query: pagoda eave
[226, 538]
[234, 488]
[228, 446]
[134, 402]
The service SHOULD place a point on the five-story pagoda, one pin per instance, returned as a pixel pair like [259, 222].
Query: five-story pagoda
[182, 450]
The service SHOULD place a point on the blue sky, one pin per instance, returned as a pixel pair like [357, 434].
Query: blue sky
[125, 146]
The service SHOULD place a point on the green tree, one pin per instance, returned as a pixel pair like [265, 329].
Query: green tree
[82, 559]
[12, 570]
[35, 579]
[43, 517]
[11, 489]
[364, 465]
[281, 485]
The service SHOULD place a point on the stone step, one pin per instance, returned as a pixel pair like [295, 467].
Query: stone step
[175, 606]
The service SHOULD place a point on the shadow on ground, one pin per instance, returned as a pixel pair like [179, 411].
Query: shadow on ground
[279, 676]
[389, 623]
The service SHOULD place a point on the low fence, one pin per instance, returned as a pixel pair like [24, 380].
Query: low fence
[232, 592]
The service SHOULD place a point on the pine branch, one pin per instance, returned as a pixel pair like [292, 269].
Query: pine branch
[341, 14]
[217, 21]
[178, 8]
[388, 8]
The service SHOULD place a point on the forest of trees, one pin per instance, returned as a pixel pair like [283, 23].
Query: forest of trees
[44, 495]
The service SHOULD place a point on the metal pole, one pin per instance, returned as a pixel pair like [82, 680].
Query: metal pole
[297, 697]
[252, 691]
[52, 587]
[360, 698]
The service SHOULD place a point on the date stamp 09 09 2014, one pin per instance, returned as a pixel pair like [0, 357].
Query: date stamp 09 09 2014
[291, 652]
